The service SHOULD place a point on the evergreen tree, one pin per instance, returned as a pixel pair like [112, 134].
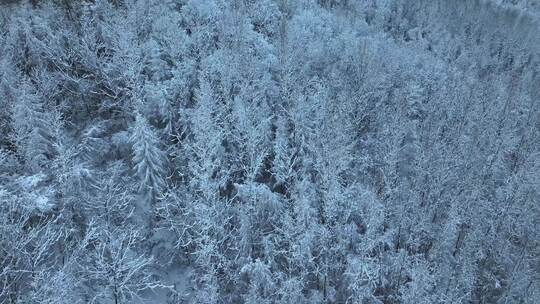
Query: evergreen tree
[148, 158]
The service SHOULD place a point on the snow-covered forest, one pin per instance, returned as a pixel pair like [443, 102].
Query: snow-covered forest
[270, 151]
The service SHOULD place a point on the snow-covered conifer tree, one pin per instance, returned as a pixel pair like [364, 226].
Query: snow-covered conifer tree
[148, 158]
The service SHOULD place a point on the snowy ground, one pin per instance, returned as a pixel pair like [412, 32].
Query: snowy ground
[177, 278]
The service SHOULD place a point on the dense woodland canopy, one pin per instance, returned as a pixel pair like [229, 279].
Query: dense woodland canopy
[270, 151]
